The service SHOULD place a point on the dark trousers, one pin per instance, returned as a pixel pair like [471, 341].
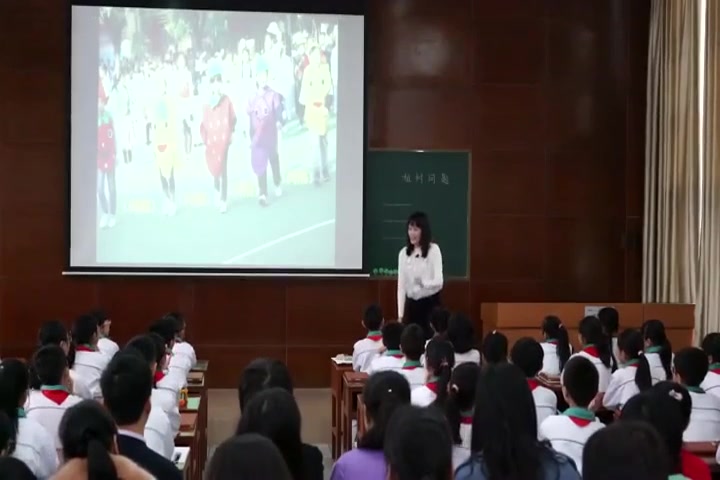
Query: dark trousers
[275, 167]
[221, 180]
[108, 205]
[418, 312]
[168, 185]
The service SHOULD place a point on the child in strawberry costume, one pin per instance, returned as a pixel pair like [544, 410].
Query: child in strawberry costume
[165, 143]
[106, 153]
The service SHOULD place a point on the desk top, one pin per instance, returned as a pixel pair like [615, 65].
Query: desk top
[188, 424]
[200, 366]
[355, 379]
[196, 379]
[193, 404]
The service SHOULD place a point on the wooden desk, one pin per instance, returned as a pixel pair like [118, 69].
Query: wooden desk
[361, 416]
[200, 366]
[336, 382]
[196, 382]
[353, 384]
[188, 437]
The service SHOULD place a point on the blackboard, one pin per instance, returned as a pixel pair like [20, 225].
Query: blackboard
[401, 182]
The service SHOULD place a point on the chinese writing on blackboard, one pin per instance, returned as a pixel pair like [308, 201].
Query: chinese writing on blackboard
[387, 272]
[424, 178]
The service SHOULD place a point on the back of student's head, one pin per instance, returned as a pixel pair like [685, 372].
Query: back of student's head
[383, 394]
[126, 386]
[178, 320]
[627, 450]
[100, 316]
[655, 338]
[461, 397]
[165, 327]
[14, 384]
[711, 347]
[13, 469]
[680, 394]
[439, 318]
[461, 333]
[691, 365]
[52, 332]
[527, 355]
[84, 330]
[274, 413]
[412, 342]
[49, 365]
[391, 335]
[556, 333]
[439, 361]
[495, 347]
[610, 320]
[373, 317]
[88, 432]
[630, 345]
[592, 333]
[261, 374]
[418, 445]
[143, 345]
[580, 381]
[160, 349]
[247, 456]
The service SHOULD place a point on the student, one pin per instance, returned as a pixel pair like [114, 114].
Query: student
[458, 408]
[55, 333]
[246, 457]
[596, 348]
[392, 358]
[568, 432]
[412, 345]
[105, 344]
[274, 414]
[711, 347]
[418, 445]
[126, 388]
[439, 319]
[368, 348]
[461, 334]
[6, 431]
[667, 406]
[627, 450]
[439, 362]
[182, 347]
[691, 366]
[178, 366]
[556, 346]
[13, 469]
[505, 441]
[495, 348]
[88, 435]
[527, 355]
[383, 394]
[89, 361]
[29, 441]
[610, 320]
[48, 404]
[633, 376]
[657, 349]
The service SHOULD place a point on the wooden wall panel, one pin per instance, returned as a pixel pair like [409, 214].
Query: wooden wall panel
[548, 95]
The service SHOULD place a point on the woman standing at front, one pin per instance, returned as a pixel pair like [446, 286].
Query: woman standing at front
[420, 274]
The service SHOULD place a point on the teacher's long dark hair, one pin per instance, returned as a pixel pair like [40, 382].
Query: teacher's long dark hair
[421, 221]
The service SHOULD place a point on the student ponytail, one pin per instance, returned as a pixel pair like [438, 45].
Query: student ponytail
[100, 465]
[440, 360]
[6, 429]
[654, 332]
[461, 396]
[592, 332]
[14, 380]
[383, 394]
[630, 343]
[554, 329]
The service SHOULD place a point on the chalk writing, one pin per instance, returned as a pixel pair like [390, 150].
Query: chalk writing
[384, 272]
[425, 178]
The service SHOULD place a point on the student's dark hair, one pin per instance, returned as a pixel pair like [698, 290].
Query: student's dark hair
[373, 317]
[274, 414]
[504, 427]
[461, 333]
[680, 394]
[14, 384]
[53, 332]
[610, 320]
[527, 355]
[662, 407]
[461, 397]
[391, 335]
[412, 341]
[247, 456]
[556, 331]
[49, 364]
[711, 346]
[100, 316]
[261, 374]
[160, 347]
[439, 318]
[631, 343]
[580, 378]
[13, 469]
[654, 332]
[178, 320]
[418, 445]
[440, 359]
[83, 329]
[165, 327]
[126, 386]
[383, 394]
[627, 450]
[691, 364]
[6, 431]
[592, 332]
[495, 347]
[88, 432]
[145, 346]
[421, 221]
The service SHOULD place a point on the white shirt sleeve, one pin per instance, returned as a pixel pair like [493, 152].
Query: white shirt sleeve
[401, 288]
[433, 284]
[612, 397]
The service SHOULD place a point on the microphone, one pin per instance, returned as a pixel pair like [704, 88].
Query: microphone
[417, 255]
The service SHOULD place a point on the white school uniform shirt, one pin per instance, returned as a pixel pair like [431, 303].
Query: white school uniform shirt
[568, 433]
[48, 410]
[35, 447]
[704, 423]
[418, 276]
[166, 395]
[387, 361]
[80, 388]
[89, 366]
[158, 433]
[179, 365]
[615, 349]
[711, 384]
[551, 361]
[108, 347]
[415, 374]
[461, 452]
[545, 401]
[365, 350]
[422, 396]
[183, 348]
[604, 372]
[471, 356]
[622, 387]
[657, 371]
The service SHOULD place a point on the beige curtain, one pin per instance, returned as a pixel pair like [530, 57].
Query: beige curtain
[670, 241]
[708, 305]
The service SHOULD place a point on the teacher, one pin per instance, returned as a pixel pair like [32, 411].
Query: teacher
[420, 274]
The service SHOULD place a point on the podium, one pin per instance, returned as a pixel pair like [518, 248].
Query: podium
[517, 320]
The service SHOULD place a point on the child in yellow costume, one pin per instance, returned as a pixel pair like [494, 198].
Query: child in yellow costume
[315, 88]
[165, 146]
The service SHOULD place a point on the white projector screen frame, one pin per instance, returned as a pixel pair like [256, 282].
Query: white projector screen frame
[88, 252]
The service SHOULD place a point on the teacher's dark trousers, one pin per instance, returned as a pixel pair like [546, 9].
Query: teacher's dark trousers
[418, 312]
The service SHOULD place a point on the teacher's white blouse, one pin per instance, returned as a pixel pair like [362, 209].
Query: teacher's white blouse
[418, 276]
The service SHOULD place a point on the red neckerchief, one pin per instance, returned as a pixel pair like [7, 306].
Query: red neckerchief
[374, 338]
[397, 355]
[580, 422]
[83, 348]
[411, 367]
[592, 351]
[532, 383]
[57, 396]
[159, 375]
[715, 370]
[432, 386]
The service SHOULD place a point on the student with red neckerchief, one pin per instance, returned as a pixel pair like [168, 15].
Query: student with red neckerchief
[412, 345]
[459, 407]
[527, 355]
[555, 345]
[89, 362]
[391, 357]
[366, 349]
[633, 376]
[711, 347]
[439, 362]
[597, 349]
